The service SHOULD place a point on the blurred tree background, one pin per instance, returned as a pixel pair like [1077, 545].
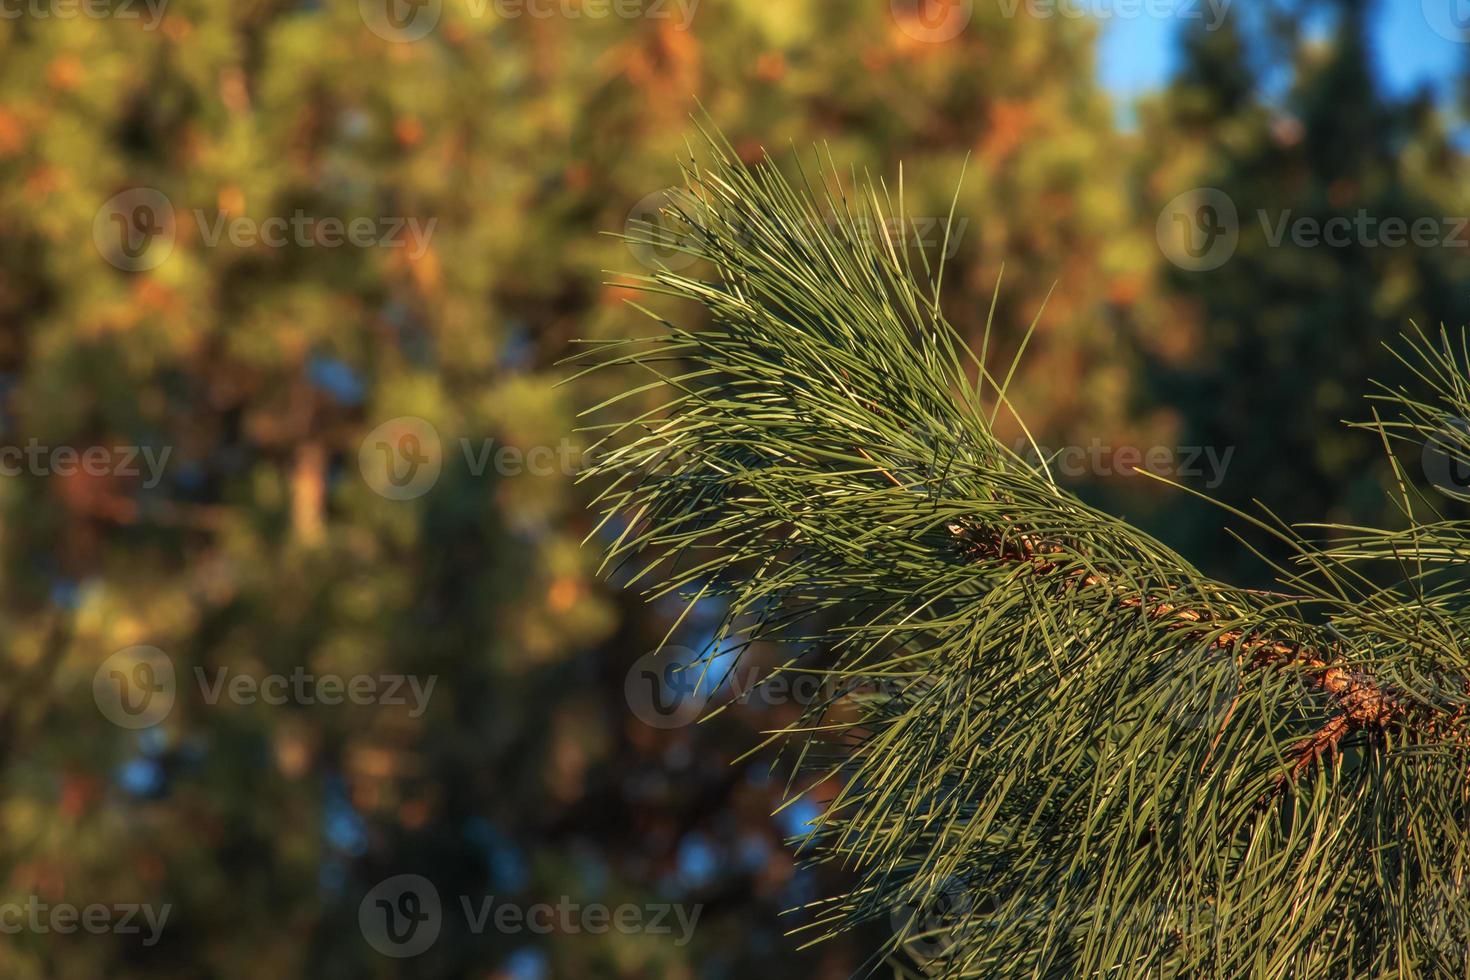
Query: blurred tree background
[270, 375]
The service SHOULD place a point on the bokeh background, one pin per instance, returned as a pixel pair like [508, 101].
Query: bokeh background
[266, 378]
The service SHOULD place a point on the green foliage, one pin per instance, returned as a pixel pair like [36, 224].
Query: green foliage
[1286, 331]
[263, 550]
[264, 371]
[1070, 751]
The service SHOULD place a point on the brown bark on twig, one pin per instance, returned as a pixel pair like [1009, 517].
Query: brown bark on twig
[1359, 702]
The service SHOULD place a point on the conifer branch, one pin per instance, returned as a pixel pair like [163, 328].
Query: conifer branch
[1043, 719]
[1361, 702]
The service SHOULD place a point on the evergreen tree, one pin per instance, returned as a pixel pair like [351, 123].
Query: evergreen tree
[263, 549]
[1294, 131]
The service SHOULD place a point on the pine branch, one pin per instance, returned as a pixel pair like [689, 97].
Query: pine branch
[1361, 703]
[1040, 717]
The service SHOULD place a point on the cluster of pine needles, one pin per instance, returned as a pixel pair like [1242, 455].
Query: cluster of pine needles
[1048, 745]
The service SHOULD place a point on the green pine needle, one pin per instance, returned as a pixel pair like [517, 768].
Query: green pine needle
[1048, 745]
